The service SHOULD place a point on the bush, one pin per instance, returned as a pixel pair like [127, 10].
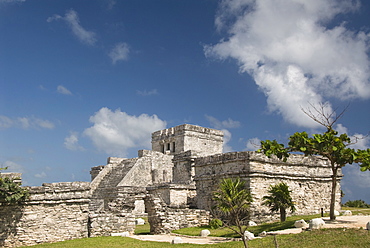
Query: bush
[215, 223]
[356, 204]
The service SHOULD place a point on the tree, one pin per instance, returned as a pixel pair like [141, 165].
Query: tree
[232, 206]
[279, 199]
[330, 145]
[356, 204]
[11, 191]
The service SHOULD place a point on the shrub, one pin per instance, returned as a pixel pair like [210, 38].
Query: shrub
[356, 204]
[215, 223]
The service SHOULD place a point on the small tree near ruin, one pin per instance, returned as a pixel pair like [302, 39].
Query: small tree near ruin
[11, 192]
[330, 145]
[232, 204]
[279, 199]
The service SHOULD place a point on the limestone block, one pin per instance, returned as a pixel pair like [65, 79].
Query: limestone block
[252, 223]
[177, 240]
[368, 226]
[262, 234]
[300, 224]
[205, 233]
[123, 234]
[316, 223]
[336, 213]
[347, 213]
[139, 221]
[249, 235]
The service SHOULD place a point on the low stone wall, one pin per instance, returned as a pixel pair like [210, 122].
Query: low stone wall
[164, 219]
[104, 224]
[54, 212]
[309, 179]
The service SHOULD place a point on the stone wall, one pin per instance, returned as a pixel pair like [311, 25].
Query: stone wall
[309, 178]
[54, 212]
[204, 141]
[164, 219]
[174, 195]
[183, 170]
[119, 207]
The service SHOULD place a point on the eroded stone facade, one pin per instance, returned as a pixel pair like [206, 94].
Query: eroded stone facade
[172, 184]
[54, 212]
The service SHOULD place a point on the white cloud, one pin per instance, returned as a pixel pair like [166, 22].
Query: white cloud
[5, 122]
[353, 176]
[253, 144]
[71, 18]
[229, 123]
[71, 142]
[227, 137]
[42, 123]
[25, 123]
[40, 175]
[359, 141]
[63, 90]
[13, 167]
[119, 52]
[114, 132]
[224, 126]
[292, 56]
[147, 92]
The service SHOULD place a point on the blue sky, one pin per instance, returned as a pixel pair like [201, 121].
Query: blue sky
[84, 80]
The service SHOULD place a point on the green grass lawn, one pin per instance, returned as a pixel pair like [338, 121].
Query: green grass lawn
[225, 232]
[143, 229]
[357, 211]
[324, 238]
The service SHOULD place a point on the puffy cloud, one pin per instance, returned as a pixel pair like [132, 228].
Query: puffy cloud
[224, 126]
[114, 132]
[5, 122]
[13, 167]
[227, 137]
[353, 176]
[41, 175]
[71, 18]
[25, 123]
[253, 144]
[63, 90]
[71, 142]
[292, 56]
[119, 52]
[229, 123]
[359, 141]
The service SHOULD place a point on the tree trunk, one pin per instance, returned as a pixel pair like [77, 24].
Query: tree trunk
[333, 192]
[245, 241]
[282, 214]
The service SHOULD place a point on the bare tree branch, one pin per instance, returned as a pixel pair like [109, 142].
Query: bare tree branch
[319, 115]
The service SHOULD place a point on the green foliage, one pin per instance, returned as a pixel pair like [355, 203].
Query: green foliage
[215, 223]
[232, 201]
[11, 192]
[330, 145]
[356, 204]
[279, 199]
[232, 205]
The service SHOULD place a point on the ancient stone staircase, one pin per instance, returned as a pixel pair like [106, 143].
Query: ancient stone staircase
[108, 179]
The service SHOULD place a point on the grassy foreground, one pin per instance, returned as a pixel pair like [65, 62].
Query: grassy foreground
[325, 238]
